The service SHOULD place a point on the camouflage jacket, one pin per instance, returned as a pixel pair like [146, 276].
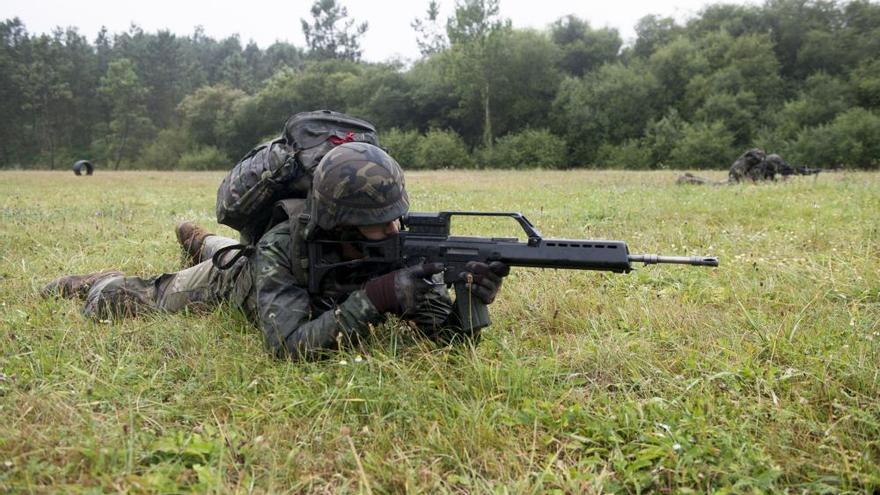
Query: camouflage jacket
[774, 164]
[303, 326]
[747, 167]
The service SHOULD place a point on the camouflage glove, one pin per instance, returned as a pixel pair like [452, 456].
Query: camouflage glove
[486, 278]
[403, 290]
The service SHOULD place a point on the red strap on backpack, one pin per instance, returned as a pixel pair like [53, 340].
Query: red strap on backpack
[336, 140]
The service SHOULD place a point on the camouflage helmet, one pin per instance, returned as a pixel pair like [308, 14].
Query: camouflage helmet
[755, 155]
[357, 184]
[774, 158]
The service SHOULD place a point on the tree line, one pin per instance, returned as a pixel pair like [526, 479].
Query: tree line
[796, 77]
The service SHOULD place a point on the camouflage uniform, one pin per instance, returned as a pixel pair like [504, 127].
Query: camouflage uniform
[689, 178]
[269, 285]
[774, 164]
[199, 287]
[301, 324]
[747, 166]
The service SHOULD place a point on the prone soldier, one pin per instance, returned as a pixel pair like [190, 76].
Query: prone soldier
[358, 193]
[749, 166]
[753, 166]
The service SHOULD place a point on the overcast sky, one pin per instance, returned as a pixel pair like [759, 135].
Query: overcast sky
[263, 21]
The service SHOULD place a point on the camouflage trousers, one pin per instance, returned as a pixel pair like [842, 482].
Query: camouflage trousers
[199, 287]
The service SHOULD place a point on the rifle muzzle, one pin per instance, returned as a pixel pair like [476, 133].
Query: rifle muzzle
[652, 259]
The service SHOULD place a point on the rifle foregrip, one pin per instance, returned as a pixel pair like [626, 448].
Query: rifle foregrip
[473, 313]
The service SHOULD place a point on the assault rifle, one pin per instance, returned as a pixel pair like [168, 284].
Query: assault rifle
[425, 238]
[788, 170]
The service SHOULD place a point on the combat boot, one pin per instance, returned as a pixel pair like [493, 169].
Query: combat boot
[191, 238]
[75, 286]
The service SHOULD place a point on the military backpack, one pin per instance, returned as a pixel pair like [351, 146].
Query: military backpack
[282, 168]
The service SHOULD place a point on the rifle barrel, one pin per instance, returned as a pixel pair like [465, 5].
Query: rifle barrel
[651, 259]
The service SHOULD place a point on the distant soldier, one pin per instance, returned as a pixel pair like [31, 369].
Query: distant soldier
[689, 178]
[747, 167]
[753, 166]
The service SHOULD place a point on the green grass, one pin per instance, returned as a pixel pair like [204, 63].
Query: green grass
[762, 375]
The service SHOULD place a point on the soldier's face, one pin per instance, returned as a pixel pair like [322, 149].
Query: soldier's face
[380, 231]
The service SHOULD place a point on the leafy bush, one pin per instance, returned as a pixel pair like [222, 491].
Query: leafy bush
[441, 148]
[739, 112]
[852, 139]
[402, 145]
[632, 154]
[530, 148]
[866, 79]
[165, 151]
[204, 158]
[207, 115]
[772, 140]
[823, 98]
[703, 145]
[661, 136]
[611, 104]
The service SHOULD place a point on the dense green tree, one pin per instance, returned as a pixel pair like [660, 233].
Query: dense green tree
[866, 80]
[278, 56]
[162, 70]
[820, 51]
[526, 80]
[326, 38]
[743, 89]
[521, 87]
[130, 127]
[430, 33]
[703, 145]
[822, 98]
[776, 75]
[80, 71]
[382, 94]
[200, 55]
[584, 48]
[610, 105]
[48, 97]
[207, 116]
[434, 101]
[674, 65]
[789, 24]
[739, 112]
[236, 73]
[103, 50]
[475, 34]
[653, 32]
[13, 71]
[860, 36]
[229, 65]
[735, 20]
[852, 139]
[52, 111]
[315, 86]
[661, 137]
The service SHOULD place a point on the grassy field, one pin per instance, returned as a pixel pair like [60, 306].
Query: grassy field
[762, 375]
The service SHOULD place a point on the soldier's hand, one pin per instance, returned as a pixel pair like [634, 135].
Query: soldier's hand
[485, 278]
[403, 290]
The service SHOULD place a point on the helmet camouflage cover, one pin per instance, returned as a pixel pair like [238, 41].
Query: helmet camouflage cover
[357, 184]
[755, 155]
